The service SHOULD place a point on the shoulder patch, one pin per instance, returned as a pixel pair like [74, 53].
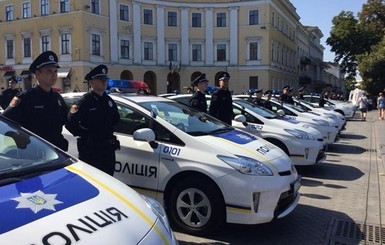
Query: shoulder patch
[14, 102]
[74, 109]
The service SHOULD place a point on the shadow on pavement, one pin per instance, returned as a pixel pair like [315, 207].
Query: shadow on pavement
[293, 229]
[346, 149]
[352, 136]
[330, 171]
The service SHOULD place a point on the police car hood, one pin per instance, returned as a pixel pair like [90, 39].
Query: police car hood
[240, 143]
[77, 204]
[301, 126]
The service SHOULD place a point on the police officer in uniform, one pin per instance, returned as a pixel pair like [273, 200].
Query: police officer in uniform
[258, 97]
[198, 100]
[301, 92]
[266, 101]
[9, 93]
[285, 95]
[92, 118]
[40, 109]
[221, 105]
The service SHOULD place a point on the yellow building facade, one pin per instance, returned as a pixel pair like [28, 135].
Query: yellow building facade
[164, 43]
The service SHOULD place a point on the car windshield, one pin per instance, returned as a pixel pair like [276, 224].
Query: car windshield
[22, 153]
[189, 120]
[293, 107]
[257, 109]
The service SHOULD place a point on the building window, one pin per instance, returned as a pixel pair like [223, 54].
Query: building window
[95, 44]
[148, 51]
[147, 16]
[273, 19]
[253, 82]
[45, 43]
[124, 49]
[123, 12]
[9, 49]
[172, 52]
[64, 6]
[253, 17]
[221, 20]
[196, 20]
[172, 19]
[65, 43]
[197, 52]
[95, 6]
[27, 47]
[44, 7]
[26, 10]
[253, 50]
[221, 52]
[9, 13]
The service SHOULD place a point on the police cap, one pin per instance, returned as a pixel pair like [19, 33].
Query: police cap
[286, 87]
[47, 58]
[268, 92]
[98, 72]
[224, 75]
[258, 91]
[13, 79]
[199, 79]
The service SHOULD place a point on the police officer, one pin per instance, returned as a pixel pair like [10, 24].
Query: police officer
[221, 105]
[258, 97]
[266, 101]
[9, 93]
[285, 96]
[301, 92]
[198, 100]
[92, 118]
[40, 109]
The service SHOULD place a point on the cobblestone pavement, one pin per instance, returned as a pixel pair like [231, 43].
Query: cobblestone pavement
[342, 200]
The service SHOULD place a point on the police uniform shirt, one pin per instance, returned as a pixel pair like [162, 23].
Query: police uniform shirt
[198, 101]
[43, 113]
[93, 117]
[7, 96]
[221, 106]
[267, 105]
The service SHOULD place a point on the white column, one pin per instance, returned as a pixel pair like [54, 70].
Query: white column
[233, 36]
[209, 51]
[136, 18]
[185, 49]
[114, 48]
[161, 55]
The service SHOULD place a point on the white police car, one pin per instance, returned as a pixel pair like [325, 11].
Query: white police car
[346, 109]
[324, 125]
[302, 143]
[49, 197]
[203, 171]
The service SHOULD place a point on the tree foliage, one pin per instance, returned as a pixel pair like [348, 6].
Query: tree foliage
[358, 43]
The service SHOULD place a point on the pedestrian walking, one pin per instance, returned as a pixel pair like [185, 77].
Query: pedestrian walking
[221, 105]
[363, 106]
[9, 93]
[92, 118]
[40, 109]
[381, 105]
[198, 100]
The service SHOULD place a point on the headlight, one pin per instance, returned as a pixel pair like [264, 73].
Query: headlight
[321, 122]
[247, 165]
[300, 134]
[158, 211]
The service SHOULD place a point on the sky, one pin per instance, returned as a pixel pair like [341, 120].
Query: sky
[321, 12]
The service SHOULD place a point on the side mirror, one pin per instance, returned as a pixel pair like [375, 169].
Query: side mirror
[146, 135]
[240, 118]
[281, 112]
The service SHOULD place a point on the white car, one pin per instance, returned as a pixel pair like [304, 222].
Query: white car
[346, 109]
[49, 197]
[303, 144]
[339, 119]
[203, 171]
[329, 131]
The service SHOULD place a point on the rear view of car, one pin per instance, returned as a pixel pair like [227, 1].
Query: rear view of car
[49, 197]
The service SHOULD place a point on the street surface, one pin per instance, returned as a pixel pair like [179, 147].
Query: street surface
[342, 200]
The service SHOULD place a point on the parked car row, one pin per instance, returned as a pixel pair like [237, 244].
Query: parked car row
[189, 168]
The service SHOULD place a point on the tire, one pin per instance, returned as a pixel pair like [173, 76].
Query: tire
[280, 145]
[196, 206]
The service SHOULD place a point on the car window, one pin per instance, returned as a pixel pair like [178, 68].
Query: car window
[20, 150]
[132, 120]
[249, 118]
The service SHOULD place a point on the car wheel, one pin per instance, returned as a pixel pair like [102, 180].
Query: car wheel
[196, 206]
[280, 145]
